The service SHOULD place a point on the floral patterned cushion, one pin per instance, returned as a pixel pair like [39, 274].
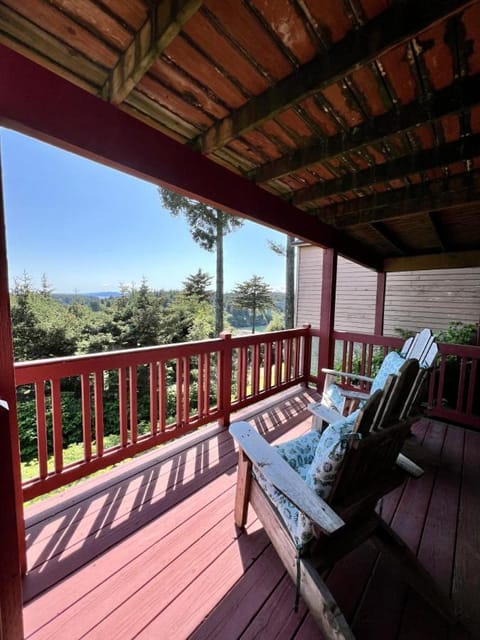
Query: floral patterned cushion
[316, 458]
[391, 364]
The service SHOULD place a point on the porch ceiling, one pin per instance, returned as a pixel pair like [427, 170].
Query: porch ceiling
[361, 117]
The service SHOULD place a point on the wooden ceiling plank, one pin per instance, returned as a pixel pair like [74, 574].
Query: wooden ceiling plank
[461, 95]
[397, 24]
[452, 260]
[423, 160]
[165, 21]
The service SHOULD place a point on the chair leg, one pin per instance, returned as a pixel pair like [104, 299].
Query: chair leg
[321, 604]
[409, 567]
[242, 496]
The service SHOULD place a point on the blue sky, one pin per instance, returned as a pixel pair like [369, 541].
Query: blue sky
[89, 227]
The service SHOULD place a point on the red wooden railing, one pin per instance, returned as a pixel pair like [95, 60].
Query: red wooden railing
[158, 394]
[453, 391]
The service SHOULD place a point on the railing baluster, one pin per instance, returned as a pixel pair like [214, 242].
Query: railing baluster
[207, 384]
[278, 362]
[186, 391]
[98, 395]
[154, 397]
[255, 369]
[86, 416]
[57, 425]
[162, 395]
[123, 409]
[41, 429]
[472, 386]
[268, 366]
[201, 383]
[179, 402]
[132, 392]
[288, 360]
[461, 385]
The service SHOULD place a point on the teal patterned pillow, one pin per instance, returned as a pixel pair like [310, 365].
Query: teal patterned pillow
[329, 455]
[391, 364]
[303, 454]
[332, 398]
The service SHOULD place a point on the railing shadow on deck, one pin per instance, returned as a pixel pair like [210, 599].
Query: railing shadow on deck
[82, 523]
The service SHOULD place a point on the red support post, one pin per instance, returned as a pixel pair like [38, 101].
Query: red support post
[380, 303]
[327, 312]
[307, 354]
[225, 379]
[12, 527]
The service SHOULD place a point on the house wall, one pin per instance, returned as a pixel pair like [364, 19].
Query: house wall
[413, 299]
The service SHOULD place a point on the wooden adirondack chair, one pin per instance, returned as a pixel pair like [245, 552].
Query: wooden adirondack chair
[420, 347]
[371, 468]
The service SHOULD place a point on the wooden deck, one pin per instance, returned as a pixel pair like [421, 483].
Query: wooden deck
[149, 550]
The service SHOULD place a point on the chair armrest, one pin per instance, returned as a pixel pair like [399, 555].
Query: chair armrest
[354, 395]
[277, 471]
[344, 374]
[325, 413]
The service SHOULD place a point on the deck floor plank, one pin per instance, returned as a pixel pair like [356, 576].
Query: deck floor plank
[155, 554]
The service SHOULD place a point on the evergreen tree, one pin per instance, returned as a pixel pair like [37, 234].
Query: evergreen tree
[289, 252]
[208, 226]
[254, 295]
[197, 285]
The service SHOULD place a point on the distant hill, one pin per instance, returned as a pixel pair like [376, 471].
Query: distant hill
[68, 298]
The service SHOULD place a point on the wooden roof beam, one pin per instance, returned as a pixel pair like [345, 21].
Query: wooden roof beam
[395, 25]
[446, 193]
[390, 237]
[436, 194]
[425, 159]
[462, 95]
[453, 260]
[438, 231]
[166, 19]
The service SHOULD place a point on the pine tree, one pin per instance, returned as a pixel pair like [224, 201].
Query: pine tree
[254, 295]
[208, 226]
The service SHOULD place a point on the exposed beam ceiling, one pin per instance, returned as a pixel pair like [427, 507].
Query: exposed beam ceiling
[423, 160]
[460, 96]
[412, 200]
[399, 23]
[165, 20]
[31, 99]
[438, 231]
[390, 237]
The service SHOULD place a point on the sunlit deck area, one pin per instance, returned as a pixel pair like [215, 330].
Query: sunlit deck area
[150, 550]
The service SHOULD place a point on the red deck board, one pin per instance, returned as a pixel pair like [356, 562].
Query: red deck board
[175, 566]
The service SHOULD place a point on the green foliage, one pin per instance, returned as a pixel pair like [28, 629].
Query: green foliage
[197, 285]
[457, 333]
[208, 226]
[254, 295]
[276, 323]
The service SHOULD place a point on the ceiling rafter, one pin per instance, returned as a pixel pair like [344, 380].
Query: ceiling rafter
[451, 260]
[438, 230]
[395, 25]
[411, 200]
[165, 20]
[423, 160]
[461, 95]
[391, 237]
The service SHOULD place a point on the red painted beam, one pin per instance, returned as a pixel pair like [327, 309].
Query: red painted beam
[38, 102]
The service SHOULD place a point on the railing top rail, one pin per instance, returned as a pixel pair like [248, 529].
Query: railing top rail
[382, 341]
[271, 336]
